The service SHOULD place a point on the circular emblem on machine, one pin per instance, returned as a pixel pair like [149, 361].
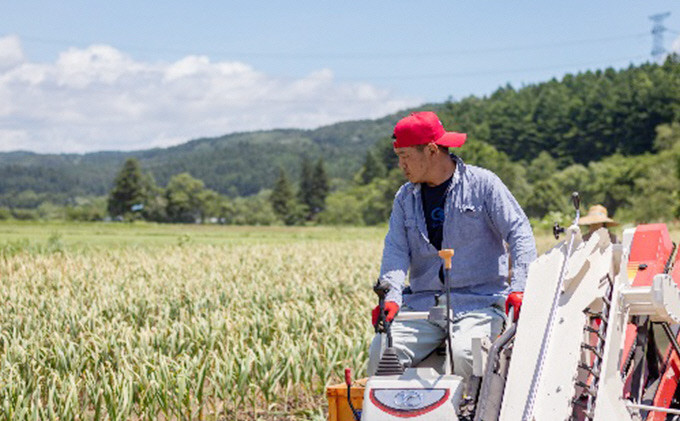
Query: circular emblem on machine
[408, 399]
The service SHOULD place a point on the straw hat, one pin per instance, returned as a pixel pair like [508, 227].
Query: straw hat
[597, 215]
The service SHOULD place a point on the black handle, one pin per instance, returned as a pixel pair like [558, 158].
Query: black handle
[557, 230]
[576, 200]
[381, 290]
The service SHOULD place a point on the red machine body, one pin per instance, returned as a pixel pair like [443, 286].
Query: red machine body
[668, 383]
[650, 254]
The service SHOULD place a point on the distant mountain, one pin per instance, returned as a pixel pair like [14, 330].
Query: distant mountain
[235, 164]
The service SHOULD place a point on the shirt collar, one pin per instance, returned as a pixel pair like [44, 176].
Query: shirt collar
[460, 168]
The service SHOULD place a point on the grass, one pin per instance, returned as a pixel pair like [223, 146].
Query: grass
[149, 234]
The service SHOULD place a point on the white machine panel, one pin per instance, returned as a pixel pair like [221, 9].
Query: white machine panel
[587, 271]
[541, 282]
[419, 394]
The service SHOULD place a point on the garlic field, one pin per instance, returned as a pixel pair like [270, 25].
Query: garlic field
[186, 330]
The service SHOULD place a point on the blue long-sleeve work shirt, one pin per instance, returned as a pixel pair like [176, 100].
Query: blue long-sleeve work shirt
[481, 217]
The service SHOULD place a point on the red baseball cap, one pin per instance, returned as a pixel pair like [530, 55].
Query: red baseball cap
[423, 128]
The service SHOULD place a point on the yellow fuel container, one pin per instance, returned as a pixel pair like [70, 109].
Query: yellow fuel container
[338, 408]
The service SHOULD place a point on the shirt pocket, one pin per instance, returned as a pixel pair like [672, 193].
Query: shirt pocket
[471, 222]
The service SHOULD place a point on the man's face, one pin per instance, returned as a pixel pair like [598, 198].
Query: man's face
[413, 162]
[595, 227]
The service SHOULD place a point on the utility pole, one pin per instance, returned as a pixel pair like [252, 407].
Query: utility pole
[657, 30]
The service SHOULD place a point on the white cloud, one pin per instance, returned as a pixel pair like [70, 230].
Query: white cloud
[675, 46]
[10, 52]
[99, 98]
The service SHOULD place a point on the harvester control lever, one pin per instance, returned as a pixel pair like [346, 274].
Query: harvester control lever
[446, 255]
[389, 363]
[381, 290]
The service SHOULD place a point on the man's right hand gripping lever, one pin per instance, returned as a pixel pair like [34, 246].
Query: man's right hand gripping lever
[391, 310]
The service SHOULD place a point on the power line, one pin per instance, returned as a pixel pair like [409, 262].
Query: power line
[365, 55]
[496, 72]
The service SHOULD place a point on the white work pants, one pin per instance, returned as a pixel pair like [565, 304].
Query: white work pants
[414, 340]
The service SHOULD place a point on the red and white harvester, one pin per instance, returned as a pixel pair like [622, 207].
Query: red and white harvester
[597, 340]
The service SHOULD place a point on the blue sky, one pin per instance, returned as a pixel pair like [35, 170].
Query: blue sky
[79, 76]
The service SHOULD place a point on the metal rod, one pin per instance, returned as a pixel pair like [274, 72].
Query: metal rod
[671, 337]
[653, 408]
[669, 262]
[448, 317]
[446, 255]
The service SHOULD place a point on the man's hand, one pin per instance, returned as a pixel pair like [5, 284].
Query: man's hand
[514, 300]
[391, 309]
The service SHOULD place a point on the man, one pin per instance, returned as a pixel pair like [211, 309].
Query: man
[597, 218]
[448, 204]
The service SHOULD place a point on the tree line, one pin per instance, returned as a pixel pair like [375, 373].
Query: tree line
[578, 119]
[135, 195]
[634, 188]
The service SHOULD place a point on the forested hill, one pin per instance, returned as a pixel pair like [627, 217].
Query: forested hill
[578, 119]
[581, 118]
[235, 164]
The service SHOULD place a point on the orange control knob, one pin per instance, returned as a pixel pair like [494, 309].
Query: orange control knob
[446, 254]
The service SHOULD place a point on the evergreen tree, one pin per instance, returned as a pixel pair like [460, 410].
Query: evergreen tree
[306, 192]
[130, 192]
[282, 198]
[320, 188]
[313, 188]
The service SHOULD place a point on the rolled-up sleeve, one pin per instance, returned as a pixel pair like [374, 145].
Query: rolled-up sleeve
[513, 225]
[396, 256]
